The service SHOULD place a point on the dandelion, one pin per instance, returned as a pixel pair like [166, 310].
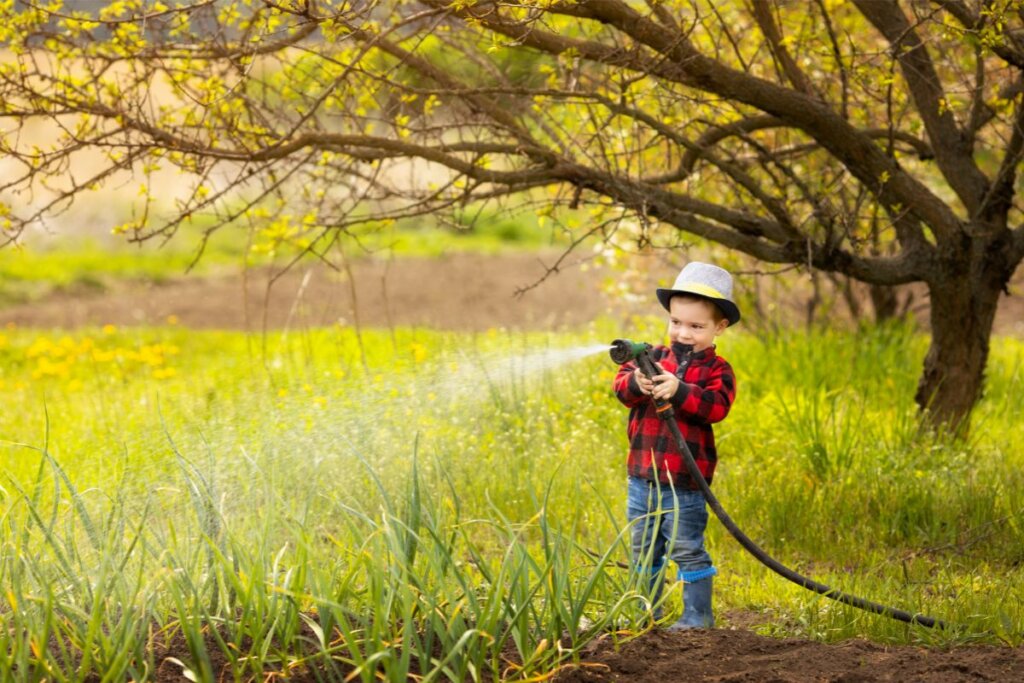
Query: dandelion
[109, 329]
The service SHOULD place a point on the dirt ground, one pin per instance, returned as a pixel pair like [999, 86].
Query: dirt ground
[723, 655]
[740, 656]
[464, 292]
[474, 292]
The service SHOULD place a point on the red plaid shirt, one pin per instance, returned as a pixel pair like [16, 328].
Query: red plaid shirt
[705, 395]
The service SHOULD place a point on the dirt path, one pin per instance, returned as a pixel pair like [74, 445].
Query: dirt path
[457, 292]
[463, 292]
[736, 656]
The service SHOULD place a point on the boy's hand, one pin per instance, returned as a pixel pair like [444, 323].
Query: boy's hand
[646, 386]
[663, 387]
[665, 384]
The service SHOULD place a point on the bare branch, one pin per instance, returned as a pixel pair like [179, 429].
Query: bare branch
[766, 20]
[952, 148]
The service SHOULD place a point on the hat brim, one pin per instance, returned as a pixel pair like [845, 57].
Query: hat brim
[728, 308]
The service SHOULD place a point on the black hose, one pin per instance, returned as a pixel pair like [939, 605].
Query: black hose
[776, 566]
[646, 366]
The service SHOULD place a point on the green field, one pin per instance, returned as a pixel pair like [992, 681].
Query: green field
[408, 502]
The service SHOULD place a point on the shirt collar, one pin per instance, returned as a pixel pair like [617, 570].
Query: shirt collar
[700, 356]
[706, 354]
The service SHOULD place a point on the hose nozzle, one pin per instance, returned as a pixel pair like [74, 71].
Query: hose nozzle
[624, 350]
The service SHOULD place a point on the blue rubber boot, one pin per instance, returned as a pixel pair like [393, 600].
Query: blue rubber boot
[696, 606]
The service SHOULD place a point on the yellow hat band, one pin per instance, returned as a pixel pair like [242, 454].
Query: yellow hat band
[698, 288]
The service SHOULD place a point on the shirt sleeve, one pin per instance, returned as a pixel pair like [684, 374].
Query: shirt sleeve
[708, 400]
[626, 388]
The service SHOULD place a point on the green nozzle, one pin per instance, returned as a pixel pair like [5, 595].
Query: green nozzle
[624, 350]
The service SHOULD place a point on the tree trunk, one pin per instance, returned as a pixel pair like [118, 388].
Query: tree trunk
[962, 312]
[884, 301]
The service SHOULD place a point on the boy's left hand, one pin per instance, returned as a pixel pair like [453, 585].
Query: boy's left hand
[665, 384]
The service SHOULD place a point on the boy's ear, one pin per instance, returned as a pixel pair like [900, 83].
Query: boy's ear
[720, 326]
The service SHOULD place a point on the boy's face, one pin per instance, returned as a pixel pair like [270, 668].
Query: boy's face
[692, 321]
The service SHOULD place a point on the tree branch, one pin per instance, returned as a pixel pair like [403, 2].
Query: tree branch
[762, 11]
[996, 204]
[1011, 54]
[953, 151]
[886, 180]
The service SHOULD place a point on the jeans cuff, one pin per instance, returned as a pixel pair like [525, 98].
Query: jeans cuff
[655, 568]
[697, 574]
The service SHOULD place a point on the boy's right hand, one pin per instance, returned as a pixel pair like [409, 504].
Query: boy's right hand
[645, 385]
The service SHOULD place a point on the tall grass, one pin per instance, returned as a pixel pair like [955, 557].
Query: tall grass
[431, 516]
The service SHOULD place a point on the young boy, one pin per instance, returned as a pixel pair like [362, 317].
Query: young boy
[666, 509]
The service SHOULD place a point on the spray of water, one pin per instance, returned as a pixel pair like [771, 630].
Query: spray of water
[273, 450]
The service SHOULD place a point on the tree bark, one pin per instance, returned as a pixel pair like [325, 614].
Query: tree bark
[961, 321]
[884, 301]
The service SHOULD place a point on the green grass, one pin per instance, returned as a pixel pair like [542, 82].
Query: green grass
[33, 271]
[393, 508]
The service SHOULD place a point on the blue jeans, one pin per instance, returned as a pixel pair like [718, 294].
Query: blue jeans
[667, 522]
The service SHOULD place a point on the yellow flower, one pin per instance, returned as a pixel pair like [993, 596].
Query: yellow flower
[109, 329]
[39, 347]
[47, 368]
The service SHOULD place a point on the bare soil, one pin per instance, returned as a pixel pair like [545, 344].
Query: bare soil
[474, 292]
[724, 655]
[462, 292]
[735, 656]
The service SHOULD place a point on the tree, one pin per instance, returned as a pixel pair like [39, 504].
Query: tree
[876, 140]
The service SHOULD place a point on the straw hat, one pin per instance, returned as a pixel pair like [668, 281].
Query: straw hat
[707, 281]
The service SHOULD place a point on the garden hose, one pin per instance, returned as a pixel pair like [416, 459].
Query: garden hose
[623, 351]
